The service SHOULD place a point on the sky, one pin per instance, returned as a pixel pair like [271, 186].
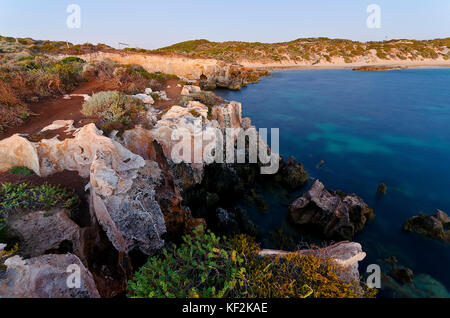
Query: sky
[153, 24]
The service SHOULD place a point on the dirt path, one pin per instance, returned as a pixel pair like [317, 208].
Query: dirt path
[173, 93]
[51, 109]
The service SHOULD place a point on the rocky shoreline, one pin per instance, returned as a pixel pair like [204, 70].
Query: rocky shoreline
[138, 199]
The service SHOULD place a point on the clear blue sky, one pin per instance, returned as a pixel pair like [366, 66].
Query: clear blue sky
[152, 24]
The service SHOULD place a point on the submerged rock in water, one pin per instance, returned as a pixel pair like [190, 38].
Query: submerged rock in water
[233, 221]
[336, 214]
[293, 174]
[46, 276]
[404, 275]
[423, 286]
[436, 226]
[382, 189]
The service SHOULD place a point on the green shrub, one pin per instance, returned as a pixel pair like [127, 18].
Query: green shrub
[22, 171]
[72, 59]
[203, 266]
[24, 57]
[113, 106]
[68, 73]
[30, 197]
[207, 266]
[103, 69]
[208, 99]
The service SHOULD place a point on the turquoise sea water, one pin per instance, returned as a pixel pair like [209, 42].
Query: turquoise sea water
[369, 128]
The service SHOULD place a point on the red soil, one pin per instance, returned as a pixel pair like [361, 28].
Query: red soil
[47, 111]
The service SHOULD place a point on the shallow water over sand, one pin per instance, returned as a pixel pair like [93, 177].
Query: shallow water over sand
[369, 128]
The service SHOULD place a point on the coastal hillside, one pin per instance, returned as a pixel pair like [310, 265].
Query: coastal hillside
[10, 44]
[303, 52]
[314, 51]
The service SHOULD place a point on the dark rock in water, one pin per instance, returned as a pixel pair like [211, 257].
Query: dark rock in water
[233, 221]
[257, 200]
[436, 226]
[293, 174]
[336, 214]
[382, 188]
[391, 260]
[403, 275]
[424, 286]
[320, 164]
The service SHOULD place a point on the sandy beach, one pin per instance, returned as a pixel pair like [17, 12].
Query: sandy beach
[431, 63]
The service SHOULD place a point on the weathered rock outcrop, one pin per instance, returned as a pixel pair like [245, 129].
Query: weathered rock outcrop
[345, 254]
[130, 216]
[46, 276]
[78, 154]
[18, 151]
[181, 126]
[229, 115]
[436, 226]
[210, 73]
[188, 89]
[43, 231]
[146, 99]
[337, 215]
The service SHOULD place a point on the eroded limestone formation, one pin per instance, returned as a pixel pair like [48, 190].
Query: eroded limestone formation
[336, 214]
[435, 226]
[46, 276]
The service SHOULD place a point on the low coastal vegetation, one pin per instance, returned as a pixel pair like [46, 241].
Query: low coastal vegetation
[22, 171]
[113, 108]
[26, 79]
[311, 49]
[10, 44]
[205, 265]
[314, 50]
[35, 197]
[15, 198]
[127, 78]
